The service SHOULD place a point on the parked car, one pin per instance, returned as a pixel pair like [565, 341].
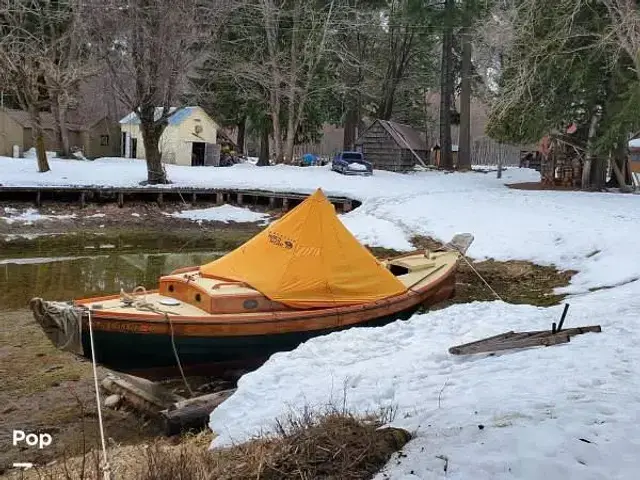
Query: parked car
[351, 163]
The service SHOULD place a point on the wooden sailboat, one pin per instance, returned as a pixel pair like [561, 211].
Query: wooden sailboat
[304, 276]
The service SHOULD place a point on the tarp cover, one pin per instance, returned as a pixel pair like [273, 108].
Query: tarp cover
[308, 259]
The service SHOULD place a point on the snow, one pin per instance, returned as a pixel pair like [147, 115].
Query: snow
[357, 167]
[534, 405]
[223, 213]
[31, 154]
[635, 143]
[29, 216]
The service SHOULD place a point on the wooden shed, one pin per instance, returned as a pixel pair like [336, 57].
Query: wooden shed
[393, 146]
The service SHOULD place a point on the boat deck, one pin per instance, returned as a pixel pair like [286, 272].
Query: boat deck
[421, 272]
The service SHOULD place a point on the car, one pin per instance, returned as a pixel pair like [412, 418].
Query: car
[351, 163]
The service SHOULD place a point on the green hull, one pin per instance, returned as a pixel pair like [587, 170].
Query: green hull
[152, 355]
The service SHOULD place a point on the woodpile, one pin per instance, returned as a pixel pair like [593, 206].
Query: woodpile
[562, 166]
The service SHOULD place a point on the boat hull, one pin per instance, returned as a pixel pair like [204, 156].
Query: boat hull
[152, 355]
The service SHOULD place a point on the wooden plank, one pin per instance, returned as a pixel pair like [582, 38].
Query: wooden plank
[120, 199]
[511, 340]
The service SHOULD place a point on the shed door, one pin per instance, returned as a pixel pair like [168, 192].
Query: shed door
[212, 154]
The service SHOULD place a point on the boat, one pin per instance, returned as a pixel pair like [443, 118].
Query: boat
[303, 276]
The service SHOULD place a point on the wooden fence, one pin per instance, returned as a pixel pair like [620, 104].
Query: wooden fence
[486, 151]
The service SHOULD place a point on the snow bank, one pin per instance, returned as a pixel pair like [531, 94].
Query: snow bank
[568, 411]
[223, 213]
[29, 216]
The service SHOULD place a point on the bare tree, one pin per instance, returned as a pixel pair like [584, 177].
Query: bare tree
[150, 46]
[40, 60]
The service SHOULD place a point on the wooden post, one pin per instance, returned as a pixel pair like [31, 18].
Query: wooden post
[120, 199]
[160, 199]
[347, 206]
[38, 198]
[272, 202]
[219, 198]
[285, 204]
[240, 198]
[193, 198]
[82, 199]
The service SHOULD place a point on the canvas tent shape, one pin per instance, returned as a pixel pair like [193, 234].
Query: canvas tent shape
[308, 259]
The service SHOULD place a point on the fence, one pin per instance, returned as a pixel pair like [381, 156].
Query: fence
[486, 151]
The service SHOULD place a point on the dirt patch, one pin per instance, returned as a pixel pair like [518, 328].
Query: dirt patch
[46, 390]
[332, 446]
[514, 281]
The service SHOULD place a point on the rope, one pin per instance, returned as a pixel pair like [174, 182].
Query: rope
[133, 301]
[106, 467]
[464, 257]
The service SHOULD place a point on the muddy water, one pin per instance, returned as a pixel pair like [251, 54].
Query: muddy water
[68, 267]
[42, 388]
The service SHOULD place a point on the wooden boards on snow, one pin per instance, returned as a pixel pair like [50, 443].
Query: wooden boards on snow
[513, 340]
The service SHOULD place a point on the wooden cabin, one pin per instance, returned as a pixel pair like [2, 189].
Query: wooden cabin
[393, 146]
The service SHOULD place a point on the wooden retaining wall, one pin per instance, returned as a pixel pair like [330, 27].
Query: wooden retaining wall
[161, 195]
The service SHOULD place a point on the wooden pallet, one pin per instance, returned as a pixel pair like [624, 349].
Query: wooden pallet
[513, 340]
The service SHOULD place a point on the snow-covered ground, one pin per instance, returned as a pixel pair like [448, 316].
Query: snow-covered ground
[223, 213]
[568, 411]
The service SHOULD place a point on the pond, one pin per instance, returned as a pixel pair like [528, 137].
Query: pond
[77, 266]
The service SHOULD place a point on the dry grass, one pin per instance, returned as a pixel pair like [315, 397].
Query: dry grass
[331, 446]
[515, 281]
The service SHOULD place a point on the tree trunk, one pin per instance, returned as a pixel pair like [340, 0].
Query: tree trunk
[464, 142]
[59, 110]
[38, 139]
[350, 125]
[242, 128]
[592, 174]
[619, 172]
[151, 133]
[446, 89]
[263, 158]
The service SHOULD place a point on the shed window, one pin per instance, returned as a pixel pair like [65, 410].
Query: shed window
[104, 140]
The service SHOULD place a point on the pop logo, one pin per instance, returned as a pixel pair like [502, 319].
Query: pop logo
[32, 439]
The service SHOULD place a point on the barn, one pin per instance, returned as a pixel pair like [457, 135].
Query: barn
[393, 146]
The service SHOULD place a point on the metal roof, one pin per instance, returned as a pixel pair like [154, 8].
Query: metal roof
[175, 119]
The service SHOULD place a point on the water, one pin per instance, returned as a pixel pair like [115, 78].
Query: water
[68, 267]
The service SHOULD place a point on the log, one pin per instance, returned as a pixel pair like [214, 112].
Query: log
[193, 413]
[144, 395]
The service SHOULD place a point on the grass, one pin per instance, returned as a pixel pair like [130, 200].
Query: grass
[334, 445]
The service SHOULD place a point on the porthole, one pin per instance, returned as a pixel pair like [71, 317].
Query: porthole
[250, 304]
[198, 297]
[171, 288]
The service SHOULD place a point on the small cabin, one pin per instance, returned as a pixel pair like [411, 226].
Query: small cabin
[393, 146]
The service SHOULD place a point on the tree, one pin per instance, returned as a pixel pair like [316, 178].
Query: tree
[42, 60]
[565, 67]
[447, 85]
[150, 46]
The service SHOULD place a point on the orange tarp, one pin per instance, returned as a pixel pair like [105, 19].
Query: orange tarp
[308, 259]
